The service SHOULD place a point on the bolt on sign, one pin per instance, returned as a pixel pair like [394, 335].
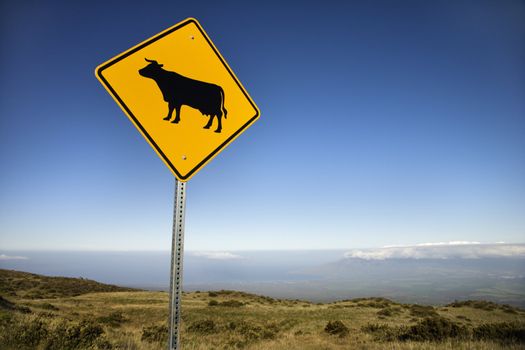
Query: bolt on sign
[181, 95]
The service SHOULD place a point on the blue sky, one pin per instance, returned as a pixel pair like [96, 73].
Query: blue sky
[382, 123]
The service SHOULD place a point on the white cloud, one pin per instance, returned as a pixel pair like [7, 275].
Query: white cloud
[441, 250]
[12, 257]
[437, 244]
[217, 255]
[447, 243]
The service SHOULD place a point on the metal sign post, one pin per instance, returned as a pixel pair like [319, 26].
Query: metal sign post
[177, 253]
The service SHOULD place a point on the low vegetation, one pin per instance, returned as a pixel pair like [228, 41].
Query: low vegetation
[33, 286]
[90, 315]
[336, 328]
[485, 305]
[227, 303]
[155, 334]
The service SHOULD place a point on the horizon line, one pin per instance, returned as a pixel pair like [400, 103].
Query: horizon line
[104, 250]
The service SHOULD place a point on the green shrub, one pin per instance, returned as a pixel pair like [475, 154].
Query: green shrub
[385, 312]
[81, 335]
[422, 311]
[155, 334]
[231, 303]
[243, 333]
[461, 317]
[336, 328]
[227, 303]
[509, 310]
[23, 309]
[203, 326]
[10, 306]
[377, 302]
[485, 305]
[114, 319]
[48, 306]
[252, 332]
[434, 329]
[501, 332]
[388, 311]
[381, 332]
[21, 333]
[36, 333]
[6, 304]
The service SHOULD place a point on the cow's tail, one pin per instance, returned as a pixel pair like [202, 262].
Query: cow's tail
[223, 109]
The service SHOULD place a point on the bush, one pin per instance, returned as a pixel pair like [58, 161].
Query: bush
[381, 331]
[477, 304]
[385, 312]
[6, 304]
[231, 303]
[10, 306]
[252, 332]
[114, 319]
[203, 327]
[461, 317]
[438, 329]
[422, 311]
[227, 303]
[372, 302]
[33, 333]
[502, 332]
[434, 329]
[83, 335]
[336, 328]
[19, 333]
[388, 311]
[48, 306]
[23, 309]
[485, 305]
[155, 334]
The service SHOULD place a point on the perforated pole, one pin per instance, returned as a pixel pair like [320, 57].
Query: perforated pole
[177, 251]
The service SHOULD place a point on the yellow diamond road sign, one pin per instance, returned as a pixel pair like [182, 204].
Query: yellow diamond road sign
[181, 95]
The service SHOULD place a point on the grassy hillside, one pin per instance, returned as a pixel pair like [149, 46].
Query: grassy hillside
[32, 286]
[72, 315]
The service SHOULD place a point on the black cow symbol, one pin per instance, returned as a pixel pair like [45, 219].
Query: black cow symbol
[179, 90]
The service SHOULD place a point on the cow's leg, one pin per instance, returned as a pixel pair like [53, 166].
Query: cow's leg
[170, 111]
[219, 126]
[177, 115]
[210, 121]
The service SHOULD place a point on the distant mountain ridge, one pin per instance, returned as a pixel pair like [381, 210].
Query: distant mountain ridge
[430, 273]
[427, 278]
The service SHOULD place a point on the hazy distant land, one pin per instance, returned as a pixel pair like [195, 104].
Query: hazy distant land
[428, 274]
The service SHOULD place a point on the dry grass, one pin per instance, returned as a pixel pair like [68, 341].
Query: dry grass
[137, 320]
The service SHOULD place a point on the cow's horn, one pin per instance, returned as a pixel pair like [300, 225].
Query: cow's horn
[151, 61]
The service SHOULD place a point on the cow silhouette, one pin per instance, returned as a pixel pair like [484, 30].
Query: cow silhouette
[179, 90]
